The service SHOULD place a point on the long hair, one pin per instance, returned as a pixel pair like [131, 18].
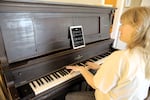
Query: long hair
[139, 18]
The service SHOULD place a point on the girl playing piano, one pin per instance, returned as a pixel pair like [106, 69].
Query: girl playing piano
[125, 74]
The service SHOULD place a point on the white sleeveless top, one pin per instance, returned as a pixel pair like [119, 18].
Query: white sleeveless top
[121, 77]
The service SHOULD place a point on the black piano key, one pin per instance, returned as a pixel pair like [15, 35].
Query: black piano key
[48, 78]
[33, 84]
[69, 70]
[65, 72]
[51, 77]
[91, 60]
[45, 79]
[38, 82]
[83, 64]
[100, 57]
[97, 58]
[41, 81]
[94, 59]
[103, 55]
[107, 54]
[79, 64]
[55, 75]
[61, 73]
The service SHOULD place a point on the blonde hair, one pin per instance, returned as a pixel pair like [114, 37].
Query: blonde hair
[139, 18]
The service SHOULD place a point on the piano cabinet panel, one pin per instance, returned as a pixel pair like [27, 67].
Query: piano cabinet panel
[35, 42]
[18, 35]
[52, 32]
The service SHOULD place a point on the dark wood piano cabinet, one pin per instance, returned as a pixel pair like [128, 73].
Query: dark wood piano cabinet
[35, 45]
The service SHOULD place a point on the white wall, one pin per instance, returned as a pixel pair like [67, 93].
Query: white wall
[115, 29]
[89, 2]
[145, 3]
[122, 5]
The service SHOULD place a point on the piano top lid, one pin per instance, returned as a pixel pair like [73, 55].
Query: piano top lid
[32, 6]
[55, 3]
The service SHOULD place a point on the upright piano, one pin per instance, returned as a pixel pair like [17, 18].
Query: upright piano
[35, 46]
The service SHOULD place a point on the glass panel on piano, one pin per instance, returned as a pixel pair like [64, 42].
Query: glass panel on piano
[90, 25]
[19, 40]
[105, 26]
[52, 32]
[96, 27]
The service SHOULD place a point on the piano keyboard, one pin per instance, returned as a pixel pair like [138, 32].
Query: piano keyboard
[44, 83]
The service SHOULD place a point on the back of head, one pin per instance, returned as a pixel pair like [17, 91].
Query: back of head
[139, 18]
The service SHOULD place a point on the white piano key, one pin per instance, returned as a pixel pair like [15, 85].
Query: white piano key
[54, 78]
[59, 74]
[37, 87]
[99, 62]
[62, 74]
[49, 78]
[66, 72]
[43, 80]
[82, 64]
[33, 88]
[91, 60]
[36, 84]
